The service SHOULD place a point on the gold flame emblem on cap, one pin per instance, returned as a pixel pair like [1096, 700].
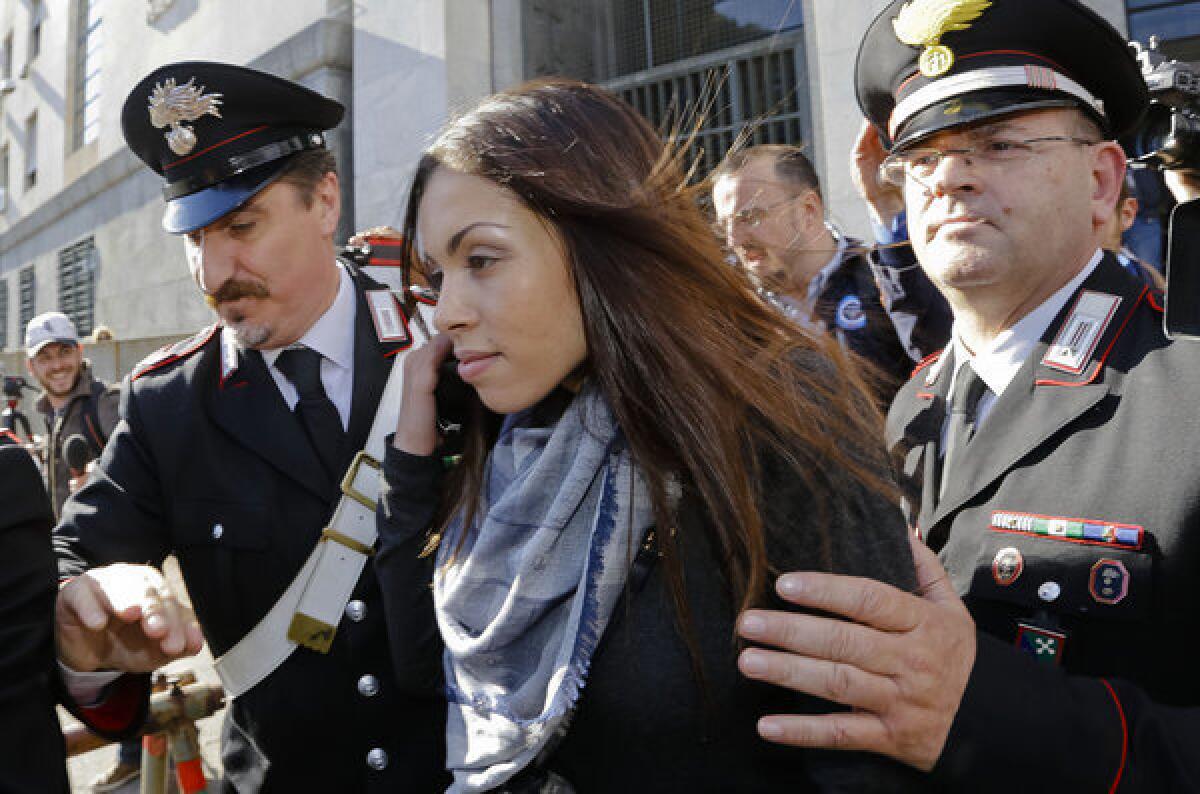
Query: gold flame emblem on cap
[922, 23]
[171, 105]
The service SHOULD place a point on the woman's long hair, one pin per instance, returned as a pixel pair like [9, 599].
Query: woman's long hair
[701, 374]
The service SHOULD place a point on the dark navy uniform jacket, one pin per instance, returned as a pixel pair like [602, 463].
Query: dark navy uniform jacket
[894, 329]
[209, 464]
[1075, 510]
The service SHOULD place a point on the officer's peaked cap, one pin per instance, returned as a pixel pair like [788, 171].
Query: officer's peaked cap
[218, 134]
[928, 65]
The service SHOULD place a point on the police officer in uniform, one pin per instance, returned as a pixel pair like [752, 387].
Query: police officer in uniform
[1049, 455]
[232, 444]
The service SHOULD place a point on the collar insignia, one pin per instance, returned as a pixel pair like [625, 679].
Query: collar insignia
[171, 105]
[922, 23]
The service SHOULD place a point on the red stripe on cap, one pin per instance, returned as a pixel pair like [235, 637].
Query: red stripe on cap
[194, 155]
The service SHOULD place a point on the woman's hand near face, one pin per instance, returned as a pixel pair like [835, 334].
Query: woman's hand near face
[416, 431]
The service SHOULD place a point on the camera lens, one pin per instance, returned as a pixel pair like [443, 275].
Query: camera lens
[1155, 130]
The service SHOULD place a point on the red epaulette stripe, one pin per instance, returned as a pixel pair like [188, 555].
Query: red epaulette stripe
[1124, 737]
[6, 433]
[374, 262]
[1107, 350]
[171, 359]
[217, 145]
[925, 362]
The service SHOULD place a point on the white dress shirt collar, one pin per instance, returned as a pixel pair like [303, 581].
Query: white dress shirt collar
[1000, 361]
[332, 335]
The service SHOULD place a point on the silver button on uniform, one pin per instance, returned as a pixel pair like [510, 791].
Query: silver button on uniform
[368, 686]
[217, 531]
[377, 759]
[356, 610]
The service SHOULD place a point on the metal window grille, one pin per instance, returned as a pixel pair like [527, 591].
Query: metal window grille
[646, 34]
[77, 284]
[757, 93]
[86, 99]
[4, 314]
[27, 294]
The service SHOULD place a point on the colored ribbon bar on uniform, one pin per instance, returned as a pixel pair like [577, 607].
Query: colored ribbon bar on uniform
[1103, 532]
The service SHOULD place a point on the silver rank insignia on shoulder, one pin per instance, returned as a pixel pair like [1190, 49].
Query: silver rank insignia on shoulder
[390, 323]
[171, 105]
[1079, 335]
[1043, 645]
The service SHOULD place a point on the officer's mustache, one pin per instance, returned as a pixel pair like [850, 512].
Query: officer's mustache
[233, 290]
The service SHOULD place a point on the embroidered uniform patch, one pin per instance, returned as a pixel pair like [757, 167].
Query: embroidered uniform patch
[390, 323]
[850, 315]
[1081, 530]
[1109, 581]
[1044, 645]
[1079, 335]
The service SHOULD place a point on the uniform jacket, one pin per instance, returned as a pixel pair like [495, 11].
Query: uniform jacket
[31, 745]
[894, 330]
[72, 421]
[1075, 509]
[209, 464]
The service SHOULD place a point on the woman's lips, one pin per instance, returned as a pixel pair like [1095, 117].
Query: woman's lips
[473, 365]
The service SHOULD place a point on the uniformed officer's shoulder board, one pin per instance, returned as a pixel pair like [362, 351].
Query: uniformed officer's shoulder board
[169, 354]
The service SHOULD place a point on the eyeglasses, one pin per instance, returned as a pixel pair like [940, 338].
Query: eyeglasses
[920, 164]
[751, 217]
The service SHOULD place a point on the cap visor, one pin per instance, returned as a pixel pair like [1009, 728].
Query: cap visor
[965, 109]
[197, 210]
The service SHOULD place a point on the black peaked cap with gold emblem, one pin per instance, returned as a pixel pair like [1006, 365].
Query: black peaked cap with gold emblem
[928, 65]
[218, 134]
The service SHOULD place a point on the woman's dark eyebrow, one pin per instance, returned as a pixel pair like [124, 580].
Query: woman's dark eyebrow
[456, 240]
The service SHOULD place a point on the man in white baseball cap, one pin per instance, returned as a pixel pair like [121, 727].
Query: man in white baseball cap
[72, 401]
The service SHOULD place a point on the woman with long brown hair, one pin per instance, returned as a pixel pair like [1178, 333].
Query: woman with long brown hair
[647, 442]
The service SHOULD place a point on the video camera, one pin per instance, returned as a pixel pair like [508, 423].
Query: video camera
[1169, 137]
[14, 385]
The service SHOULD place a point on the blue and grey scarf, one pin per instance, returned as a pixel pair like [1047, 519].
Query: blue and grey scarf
[525, 601]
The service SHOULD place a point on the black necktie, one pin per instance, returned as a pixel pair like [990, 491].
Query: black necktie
[317, 413]
[968, 388]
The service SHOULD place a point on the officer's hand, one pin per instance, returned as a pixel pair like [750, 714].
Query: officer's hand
[416, 432]
[122, 617]
[884, 200]
[902, 664]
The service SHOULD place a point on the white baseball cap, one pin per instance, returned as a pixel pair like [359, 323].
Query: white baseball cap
[47, 328]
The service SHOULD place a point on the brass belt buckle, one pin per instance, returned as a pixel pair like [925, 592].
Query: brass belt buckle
[348, 481]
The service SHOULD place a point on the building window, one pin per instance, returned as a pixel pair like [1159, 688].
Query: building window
[1176, 23]
[31, 162]
[28, 297]
[3, 314]
[77, 284]
[645, 34]
[6, 58]
[3, 177]
[759, 95]
[85, 122]
[37, 15]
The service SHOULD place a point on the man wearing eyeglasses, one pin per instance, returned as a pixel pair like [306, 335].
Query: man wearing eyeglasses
[1049, 456]
[770, 213]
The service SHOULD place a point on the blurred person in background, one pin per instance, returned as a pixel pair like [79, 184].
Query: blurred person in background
[73, 402]
[771, 214]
